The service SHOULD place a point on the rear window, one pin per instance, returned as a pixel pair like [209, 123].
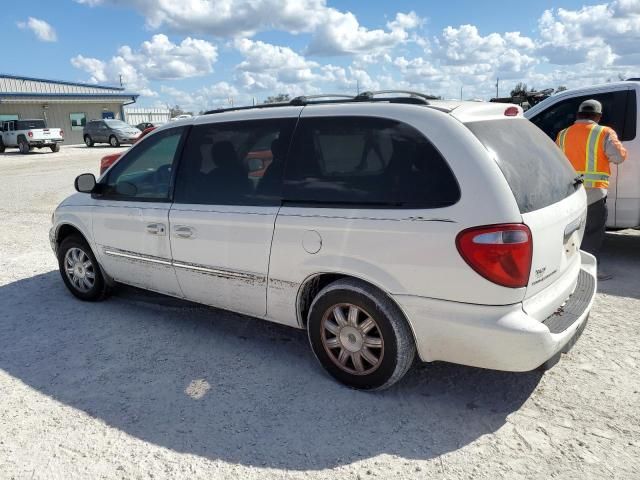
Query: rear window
[536, 170]
[29, 124]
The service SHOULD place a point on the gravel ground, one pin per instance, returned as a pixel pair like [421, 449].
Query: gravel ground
[141, 386]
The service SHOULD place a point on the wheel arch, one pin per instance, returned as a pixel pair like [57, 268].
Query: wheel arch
[66, 230]
[313, 284]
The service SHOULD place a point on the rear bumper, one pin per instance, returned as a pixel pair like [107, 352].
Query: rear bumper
[46, 142]
[499, 337]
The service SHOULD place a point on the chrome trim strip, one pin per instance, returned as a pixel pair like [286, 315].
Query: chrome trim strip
[114, 252]
[215, 271]
[135, 256]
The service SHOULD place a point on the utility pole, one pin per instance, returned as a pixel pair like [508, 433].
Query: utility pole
[461, 92]
[120, 79]
[357, 87]
[497, 87]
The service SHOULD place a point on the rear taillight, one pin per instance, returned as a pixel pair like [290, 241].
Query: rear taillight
[500, 253]
[30, 133]
[61, 133]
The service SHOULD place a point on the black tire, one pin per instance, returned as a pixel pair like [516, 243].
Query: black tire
[2, 147]
[88, 141]
[23, 146]
[99, 289]
[55, 147]
[113, 141]
[391, 331]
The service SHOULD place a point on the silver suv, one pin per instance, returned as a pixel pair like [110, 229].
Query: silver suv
[111, 131]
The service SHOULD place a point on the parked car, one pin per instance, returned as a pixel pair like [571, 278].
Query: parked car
[181, 117]
[620, 112]
[108, 160]
[384, 226]
[30, 134]
[144, 125]
[111, 131]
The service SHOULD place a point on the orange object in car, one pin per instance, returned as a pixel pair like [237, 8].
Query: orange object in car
[108, 160]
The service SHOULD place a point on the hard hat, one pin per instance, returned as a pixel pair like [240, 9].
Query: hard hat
[590, 106]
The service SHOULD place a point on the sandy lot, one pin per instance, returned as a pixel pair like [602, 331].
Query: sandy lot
[141, 386]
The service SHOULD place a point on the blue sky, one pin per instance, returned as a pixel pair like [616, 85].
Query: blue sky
[206, 54]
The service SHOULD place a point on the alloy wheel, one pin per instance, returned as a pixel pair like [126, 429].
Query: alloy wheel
[79, 269]
[352, 339]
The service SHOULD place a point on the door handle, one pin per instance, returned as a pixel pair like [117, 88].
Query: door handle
[156, 229]
[183, 231]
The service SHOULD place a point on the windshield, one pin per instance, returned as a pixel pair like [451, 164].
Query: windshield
[535, 168]
[117, 124]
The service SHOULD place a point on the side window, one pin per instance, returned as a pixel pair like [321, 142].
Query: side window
[615, 106]
[144, 174]
[366, 161]
[236, 163]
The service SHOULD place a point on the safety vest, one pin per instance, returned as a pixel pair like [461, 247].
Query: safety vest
[583, 144]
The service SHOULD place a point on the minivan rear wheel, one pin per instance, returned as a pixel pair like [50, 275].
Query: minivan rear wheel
[80, 270]
[359, 335]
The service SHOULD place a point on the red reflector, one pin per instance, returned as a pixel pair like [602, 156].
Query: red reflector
[499, 253]
[30, 133]
[61, 133]
[511, 112]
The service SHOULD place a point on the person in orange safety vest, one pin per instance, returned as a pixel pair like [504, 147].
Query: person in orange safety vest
[590, 148]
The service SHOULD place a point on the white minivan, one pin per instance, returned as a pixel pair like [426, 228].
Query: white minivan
[620, 111]
[384, 225]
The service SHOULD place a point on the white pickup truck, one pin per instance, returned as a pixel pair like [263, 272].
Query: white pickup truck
[620, 111]
[30, 134]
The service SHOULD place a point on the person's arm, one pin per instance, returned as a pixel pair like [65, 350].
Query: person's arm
[616, 153]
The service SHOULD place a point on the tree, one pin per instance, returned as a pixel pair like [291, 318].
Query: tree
[561, 88]
[279, 98]
[519, 90]
[176, 110]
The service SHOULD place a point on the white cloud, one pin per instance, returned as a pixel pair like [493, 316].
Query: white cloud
[333, 32]
[571, 47]
[40, 28]
[218, 95]
[341, 33]
[156, 59]
[607, 34]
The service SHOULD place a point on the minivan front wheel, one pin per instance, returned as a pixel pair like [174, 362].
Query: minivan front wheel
[359, 336]
[113, 141]
[80, 270]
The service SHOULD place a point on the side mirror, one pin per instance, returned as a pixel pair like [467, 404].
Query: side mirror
[85, 183]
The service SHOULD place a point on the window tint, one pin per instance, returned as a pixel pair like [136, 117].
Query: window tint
[236, 163]
[145, 172]
[535, 168]
[29, 124]
[616, 107]
[116, 124]
[366, 161]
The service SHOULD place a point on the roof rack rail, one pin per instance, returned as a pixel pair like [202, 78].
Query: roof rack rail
[416, 95]
[247, 107]
[305, 99]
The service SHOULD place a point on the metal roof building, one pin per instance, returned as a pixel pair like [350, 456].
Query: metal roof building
[67, 105]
